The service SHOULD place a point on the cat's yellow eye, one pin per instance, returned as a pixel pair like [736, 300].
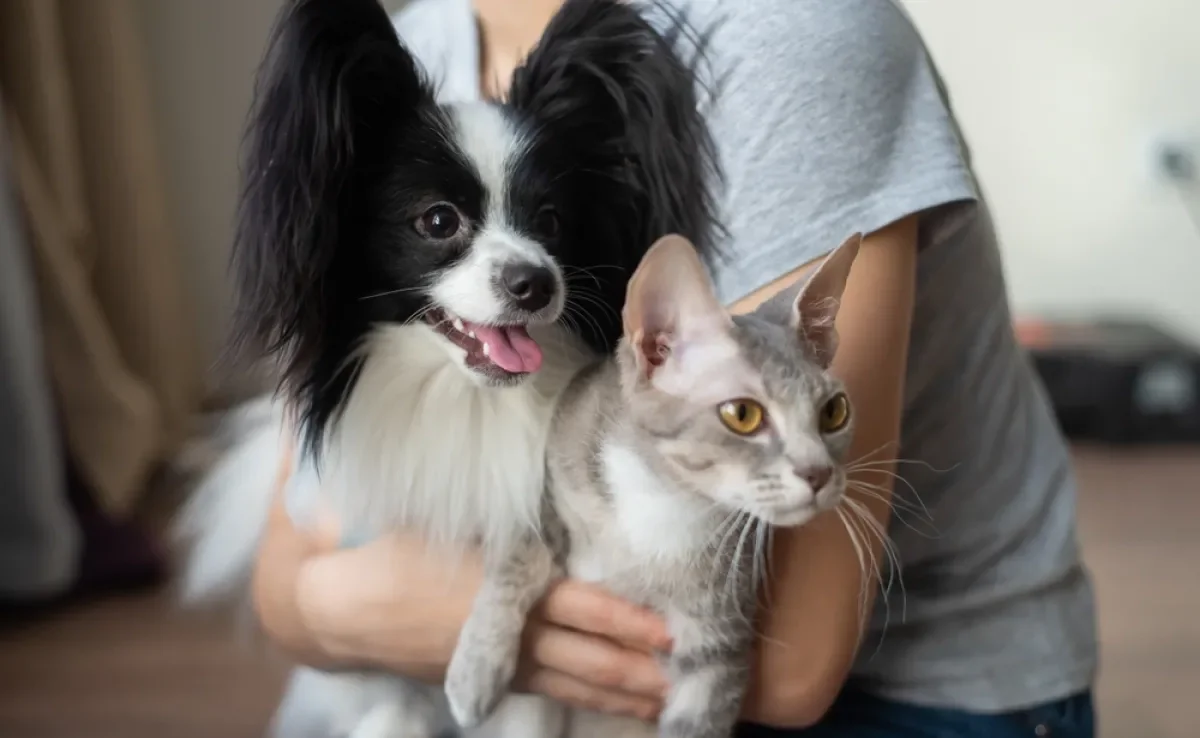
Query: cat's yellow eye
[835, 413]
[744, 417]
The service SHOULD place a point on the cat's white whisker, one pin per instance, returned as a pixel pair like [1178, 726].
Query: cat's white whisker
[884, 495]
[732, 564]
[762, 557]
[897, 477]
[863, 589]
[735, 569]
[737, 521]
[898, 461]
[895, 573]
[863, 520]
[899, 516]
[886, 468]
[867, 456]
[871, 523]
[721, 528]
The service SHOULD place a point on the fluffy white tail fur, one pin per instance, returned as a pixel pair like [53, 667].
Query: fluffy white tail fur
[222, 523]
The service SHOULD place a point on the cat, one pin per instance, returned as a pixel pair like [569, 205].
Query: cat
[667, 466]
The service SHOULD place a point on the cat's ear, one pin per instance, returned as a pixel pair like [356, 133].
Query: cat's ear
[672, 317]
[815, 311]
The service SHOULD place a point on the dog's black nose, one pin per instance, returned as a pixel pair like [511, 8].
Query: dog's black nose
[530, 286]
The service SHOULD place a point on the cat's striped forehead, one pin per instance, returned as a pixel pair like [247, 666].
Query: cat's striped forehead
[783, 363]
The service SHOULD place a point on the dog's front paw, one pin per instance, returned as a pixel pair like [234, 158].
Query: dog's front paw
[478, 677]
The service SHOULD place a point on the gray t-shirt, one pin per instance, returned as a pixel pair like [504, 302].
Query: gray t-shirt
[831, 119]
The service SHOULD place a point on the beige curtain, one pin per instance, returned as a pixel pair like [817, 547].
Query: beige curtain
[117, 336]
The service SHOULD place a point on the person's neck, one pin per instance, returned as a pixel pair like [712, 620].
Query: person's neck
[510, 28]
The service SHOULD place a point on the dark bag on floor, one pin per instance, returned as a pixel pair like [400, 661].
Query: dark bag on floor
[1123, 382]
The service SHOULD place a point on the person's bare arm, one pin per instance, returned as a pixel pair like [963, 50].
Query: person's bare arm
[811, 631]
[393, 603]
[283, 554]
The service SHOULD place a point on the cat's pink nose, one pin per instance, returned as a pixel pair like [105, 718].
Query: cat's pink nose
[816, 476]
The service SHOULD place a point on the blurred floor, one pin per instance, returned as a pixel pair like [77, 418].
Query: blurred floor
[136, 668]
[1140, 520]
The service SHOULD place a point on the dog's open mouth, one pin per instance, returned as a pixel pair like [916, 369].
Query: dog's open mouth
[507, 348]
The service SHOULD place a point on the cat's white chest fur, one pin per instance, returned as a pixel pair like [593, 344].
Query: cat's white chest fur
[648, 526]
[421, 445]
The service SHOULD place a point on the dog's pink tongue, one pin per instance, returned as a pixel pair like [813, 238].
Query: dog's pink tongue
[511, 348]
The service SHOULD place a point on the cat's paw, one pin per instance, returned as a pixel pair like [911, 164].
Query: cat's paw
[478, 677]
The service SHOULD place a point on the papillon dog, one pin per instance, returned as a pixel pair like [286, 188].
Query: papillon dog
[426, 278]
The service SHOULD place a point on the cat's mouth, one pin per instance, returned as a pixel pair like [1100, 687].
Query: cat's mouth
[499, 352]
[789, 517]
[785, 513]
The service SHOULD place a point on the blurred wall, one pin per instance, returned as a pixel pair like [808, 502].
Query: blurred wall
[1062, 101]
[204, 53]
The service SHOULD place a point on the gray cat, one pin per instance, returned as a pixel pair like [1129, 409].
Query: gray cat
[666, 467]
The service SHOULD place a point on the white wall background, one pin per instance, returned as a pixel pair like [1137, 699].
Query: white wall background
[1060, 100]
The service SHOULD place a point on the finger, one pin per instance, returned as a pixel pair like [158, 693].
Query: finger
[597, 661]
[590, 609]
[577, 693]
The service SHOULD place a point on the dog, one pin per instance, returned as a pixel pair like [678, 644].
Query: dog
[425, 278]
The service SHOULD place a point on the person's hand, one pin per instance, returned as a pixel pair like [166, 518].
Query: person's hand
[399, 604]
[590, 649]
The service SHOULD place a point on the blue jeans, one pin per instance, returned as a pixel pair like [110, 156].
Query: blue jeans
[858, 715]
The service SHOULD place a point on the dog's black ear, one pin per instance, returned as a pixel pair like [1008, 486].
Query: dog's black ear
[333, 78]
[627, 95]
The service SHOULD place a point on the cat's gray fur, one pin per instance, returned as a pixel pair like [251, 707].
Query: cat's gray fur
[653, 497]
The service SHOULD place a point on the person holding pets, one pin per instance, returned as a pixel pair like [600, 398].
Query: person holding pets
[829, 119]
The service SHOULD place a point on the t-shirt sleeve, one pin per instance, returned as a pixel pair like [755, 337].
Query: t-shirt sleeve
[829, 119]
[443, 37]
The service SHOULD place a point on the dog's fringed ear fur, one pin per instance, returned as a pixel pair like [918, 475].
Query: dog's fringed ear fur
[628, 97]
[333, 75]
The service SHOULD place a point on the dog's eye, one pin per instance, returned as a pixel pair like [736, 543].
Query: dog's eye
[439, 222]
[546, 222]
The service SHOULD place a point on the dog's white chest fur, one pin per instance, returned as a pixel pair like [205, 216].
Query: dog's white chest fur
[420, 445]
